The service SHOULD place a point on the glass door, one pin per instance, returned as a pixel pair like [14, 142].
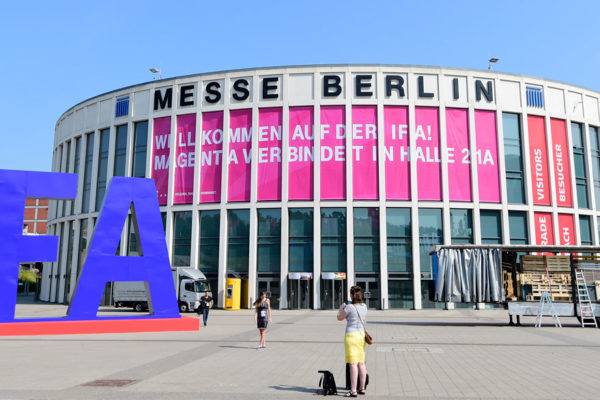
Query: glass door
[370, 288]
[272, 288]
[332, 293]
[300, 293]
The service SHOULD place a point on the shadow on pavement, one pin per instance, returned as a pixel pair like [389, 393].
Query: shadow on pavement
[294, 388]
[438, 323]
[239, 347]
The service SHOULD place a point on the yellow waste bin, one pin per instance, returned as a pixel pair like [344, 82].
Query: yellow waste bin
[233, 293]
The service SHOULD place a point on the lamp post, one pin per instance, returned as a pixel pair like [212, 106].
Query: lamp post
[492, 60]
[156, 71]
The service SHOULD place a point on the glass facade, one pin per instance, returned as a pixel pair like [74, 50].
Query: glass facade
[140, 144]
[461, 226]
[120, 151]
[69, 261]
[132, 247]
[182, 238]
[595, 153]
[269, 240]
[400, 294]
[76, 168]
[333, 240]
[585, 230]
[301, 240]
[517, 223]
[491, 226]
[513, 158]
[580, 167]
[68, 165]
[366, 240]
[208, 256]
[399, 243]
[102, 167]
[238, 240]
[430, 234]
[87, 173]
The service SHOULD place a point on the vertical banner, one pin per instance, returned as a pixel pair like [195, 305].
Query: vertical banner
[427, 135]
[269, 154]
[543, 229]
[538, 157]
[333, 152]
[459, 166]
[566, 230]
[486, 144]
[161, 142]
[301, 154]
[365, 182]
[185, 157]
[397, 153]
[239, 155]
[211, 157]
[562, 169]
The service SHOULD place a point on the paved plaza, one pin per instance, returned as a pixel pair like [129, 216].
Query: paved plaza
[417, 354]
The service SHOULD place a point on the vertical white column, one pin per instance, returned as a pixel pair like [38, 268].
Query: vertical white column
[350, 275]
[383, 270]
[253, 240]
[317, 189]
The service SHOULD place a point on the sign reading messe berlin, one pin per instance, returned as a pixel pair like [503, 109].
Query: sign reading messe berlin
[101, 265]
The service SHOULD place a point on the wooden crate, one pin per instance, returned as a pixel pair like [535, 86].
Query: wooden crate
[532, 285]
[540, 263]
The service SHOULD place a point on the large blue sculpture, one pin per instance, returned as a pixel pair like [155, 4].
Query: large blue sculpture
[101, 265]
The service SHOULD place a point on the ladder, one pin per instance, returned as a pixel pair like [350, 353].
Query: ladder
[586, 310]
[546, 303]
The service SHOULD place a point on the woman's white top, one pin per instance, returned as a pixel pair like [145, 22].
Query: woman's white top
[353, 323]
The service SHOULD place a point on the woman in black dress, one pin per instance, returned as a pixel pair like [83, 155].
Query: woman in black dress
[262, 316]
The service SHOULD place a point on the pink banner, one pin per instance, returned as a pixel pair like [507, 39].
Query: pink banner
[211, 157]
[486, 143]
[427, 135]
[566, 230]
[269, 154]
[160, 157]
[239, 155]
[185, 157]
[333, 153]
[562, 169]
[538, 157]
[543, 229]
[397, 153]
[459, 165]
[301, 154]
[365, 184]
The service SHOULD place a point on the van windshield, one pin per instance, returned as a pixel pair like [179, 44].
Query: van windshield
[201, 287]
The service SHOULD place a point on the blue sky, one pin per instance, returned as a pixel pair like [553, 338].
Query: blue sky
[56, 54]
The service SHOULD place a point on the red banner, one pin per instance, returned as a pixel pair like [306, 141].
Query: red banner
[538, 156]
[543, 229]
[566, 230]
[562, 169]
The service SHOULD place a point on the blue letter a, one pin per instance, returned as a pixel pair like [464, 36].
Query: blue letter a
[102, 266]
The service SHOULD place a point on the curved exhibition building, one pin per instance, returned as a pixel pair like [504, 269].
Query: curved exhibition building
[306, 180]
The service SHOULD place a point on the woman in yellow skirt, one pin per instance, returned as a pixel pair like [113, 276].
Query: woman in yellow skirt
[354, 341]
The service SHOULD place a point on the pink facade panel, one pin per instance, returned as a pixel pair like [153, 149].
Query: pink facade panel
[365, 184]
[185, 159]
[161, 142]
[301, 154]
[211, 157]
[459, 166]
[333, 152]
[427, 153]
[269, 154]
[544, 235]
[486, 156]
[562, 169]
[239, 155]
[566, 230]
[538, 156]
[397, 153]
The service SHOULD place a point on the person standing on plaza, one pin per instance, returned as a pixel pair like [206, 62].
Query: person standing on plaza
[262, 316]
[206, 303]
[354, 340]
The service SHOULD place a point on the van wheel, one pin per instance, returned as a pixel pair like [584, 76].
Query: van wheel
[138, 307]
[183, 307]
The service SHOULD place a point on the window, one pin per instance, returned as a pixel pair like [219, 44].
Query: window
[64, 202]
[76, 169]
[400, 293]
[301, 240]
[102, 167]
[491, 227]
[87, 173]
[122, 106]
[585, 230]
[120, 151]
[83, 231]
[517, 222]
[366, 240]
[269, 240]
[132, 247]
[69, 263]
[59, 154]
[399, 243]
[461, 226]
[139, 149]
[430, 234]
[595, 150]
[238, 240]
[333, 240]
[579, 160]
[535, 96]
[210, 222]
[182, 238]
[513, 158]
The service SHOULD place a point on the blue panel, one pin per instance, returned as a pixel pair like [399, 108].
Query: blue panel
[122, 107]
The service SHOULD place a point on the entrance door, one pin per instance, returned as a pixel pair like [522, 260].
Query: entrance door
[332, 293]
[300, 293]
[273, 290]
[370, 288]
